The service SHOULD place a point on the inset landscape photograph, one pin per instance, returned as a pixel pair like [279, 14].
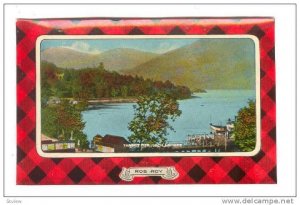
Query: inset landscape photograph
[181, 95]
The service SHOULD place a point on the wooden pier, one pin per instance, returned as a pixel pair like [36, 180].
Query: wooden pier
[194, 148]
[193, 144]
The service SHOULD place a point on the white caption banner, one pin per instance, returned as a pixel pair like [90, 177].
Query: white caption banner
[128, 174]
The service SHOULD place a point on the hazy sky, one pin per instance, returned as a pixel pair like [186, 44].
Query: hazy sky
[100, 45]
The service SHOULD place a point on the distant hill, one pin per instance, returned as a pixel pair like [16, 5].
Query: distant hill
[204, 64]
[114, 60]
[207, 64]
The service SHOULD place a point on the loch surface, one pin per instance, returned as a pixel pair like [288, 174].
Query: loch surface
[214, 106]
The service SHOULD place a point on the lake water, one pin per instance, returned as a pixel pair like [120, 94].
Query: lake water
[215, 106]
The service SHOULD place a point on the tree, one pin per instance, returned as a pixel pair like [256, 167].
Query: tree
[245, 128]
[81, 140]
[150, 122]
[101, 66]
[69, 119]
[89, 83]
[49, 120]
[64, 122]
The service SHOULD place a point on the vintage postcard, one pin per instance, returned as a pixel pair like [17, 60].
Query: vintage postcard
[167, 95]
[146, 101]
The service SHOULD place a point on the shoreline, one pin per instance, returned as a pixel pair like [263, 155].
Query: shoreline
[121, 100]
[134, 100]
[113, 100]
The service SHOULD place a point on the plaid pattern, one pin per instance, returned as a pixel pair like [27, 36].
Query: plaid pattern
[33, 169]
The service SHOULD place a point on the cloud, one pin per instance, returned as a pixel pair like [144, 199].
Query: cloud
[84, 47]
[166, 47]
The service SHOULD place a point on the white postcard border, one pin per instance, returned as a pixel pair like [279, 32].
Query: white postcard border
[154, 154]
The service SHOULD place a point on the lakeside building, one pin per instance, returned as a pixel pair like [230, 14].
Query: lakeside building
[53, 101]
[54, 145]
[225, 131]
[109, 143]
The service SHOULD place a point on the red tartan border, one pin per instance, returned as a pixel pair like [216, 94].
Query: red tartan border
[33, 169]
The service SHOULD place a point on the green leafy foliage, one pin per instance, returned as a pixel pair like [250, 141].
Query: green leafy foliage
[245, 128]
[95, 83]
[63, 121]
[150, 123]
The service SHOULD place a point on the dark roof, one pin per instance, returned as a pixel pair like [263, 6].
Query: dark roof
[113, 139]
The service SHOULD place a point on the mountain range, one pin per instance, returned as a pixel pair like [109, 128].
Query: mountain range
[204, 64]
[118, 59]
